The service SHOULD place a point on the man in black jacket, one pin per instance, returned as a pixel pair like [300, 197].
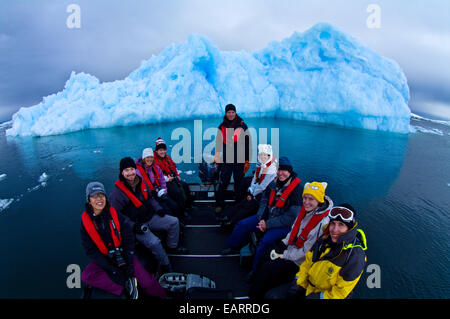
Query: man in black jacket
[132, 197]
[234, 142]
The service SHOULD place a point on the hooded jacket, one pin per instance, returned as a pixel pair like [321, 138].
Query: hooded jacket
[284, 216]
[268, 172]
[296, 254]
[332, 270]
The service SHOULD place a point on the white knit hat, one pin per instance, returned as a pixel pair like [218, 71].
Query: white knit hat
[147, 152]
[265, 148]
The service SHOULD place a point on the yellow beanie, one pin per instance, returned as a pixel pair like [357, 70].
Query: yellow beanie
[316, 190]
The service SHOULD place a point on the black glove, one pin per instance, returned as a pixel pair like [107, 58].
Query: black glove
[161, 213]
[129, 271]
[280, 247]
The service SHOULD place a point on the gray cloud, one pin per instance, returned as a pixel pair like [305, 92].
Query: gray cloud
[38, 51]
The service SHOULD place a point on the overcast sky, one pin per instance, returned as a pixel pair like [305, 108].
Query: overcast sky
[38, 51]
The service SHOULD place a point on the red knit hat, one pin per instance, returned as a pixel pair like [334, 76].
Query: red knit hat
[160, 144]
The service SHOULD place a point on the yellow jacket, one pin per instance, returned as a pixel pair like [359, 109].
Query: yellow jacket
[332, 270]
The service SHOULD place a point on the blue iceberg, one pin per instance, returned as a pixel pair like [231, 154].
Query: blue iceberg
[322, 75]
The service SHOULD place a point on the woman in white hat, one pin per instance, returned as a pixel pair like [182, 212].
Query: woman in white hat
[266, 171]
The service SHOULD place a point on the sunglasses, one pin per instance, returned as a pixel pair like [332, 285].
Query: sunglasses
[345, 213]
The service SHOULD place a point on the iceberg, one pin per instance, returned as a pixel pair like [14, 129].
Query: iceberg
[321, 75]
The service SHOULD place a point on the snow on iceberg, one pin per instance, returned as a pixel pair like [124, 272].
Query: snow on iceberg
[321, 75]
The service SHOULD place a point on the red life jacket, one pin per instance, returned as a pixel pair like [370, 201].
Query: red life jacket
[130, 195]
[263, 175]
[145, 176]
[236, 134]
[95, 236]
[156, 174]
[300, 241]
[283, 197]
[166, 164]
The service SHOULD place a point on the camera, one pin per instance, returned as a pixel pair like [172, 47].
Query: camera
[175, 178]
[116, 255]
[139, 228]
[143, 228]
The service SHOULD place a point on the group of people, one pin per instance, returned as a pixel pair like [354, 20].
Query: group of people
[148, 197]
[306, 246]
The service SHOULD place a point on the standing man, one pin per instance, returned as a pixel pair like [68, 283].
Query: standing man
[233, 141]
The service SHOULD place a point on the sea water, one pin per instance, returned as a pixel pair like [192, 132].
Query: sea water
[399, 185]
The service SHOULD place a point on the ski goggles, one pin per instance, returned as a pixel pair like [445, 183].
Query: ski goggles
[345, 213]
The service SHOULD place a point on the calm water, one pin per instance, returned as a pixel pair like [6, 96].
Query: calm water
[399, 184]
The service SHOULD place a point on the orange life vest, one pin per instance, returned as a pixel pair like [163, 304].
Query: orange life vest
[301, 239]
[130, 195]
[95, 236]
[236, 134]
[146, 178]
[283, 197]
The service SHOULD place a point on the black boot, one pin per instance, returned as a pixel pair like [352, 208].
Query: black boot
[250, 277]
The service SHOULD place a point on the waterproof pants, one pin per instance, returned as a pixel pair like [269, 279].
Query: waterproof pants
[241, 232]
[271, 274]
[170, 206]
[226, 170]
[245, 208]
[93, 275]
[179, 192]
[171, 226]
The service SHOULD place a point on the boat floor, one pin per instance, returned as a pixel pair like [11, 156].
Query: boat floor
[205, 239]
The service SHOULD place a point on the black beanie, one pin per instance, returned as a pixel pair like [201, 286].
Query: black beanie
[285, 164]
[230, 107]
[126, 162]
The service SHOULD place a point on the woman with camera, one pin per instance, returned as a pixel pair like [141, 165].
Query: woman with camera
[154, 177]
[109, 243]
